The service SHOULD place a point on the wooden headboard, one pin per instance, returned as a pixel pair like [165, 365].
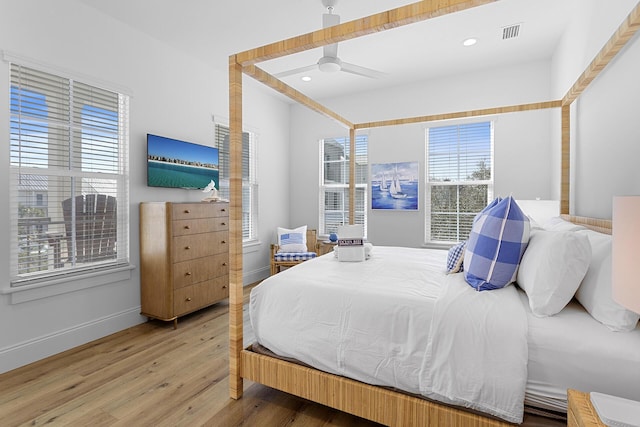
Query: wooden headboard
[596, 224]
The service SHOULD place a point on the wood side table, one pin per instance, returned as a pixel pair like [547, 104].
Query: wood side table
[326, 246]
[580, 411]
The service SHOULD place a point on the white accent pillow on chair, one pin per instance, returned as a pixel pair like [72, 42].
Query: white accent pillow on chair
[292, 240]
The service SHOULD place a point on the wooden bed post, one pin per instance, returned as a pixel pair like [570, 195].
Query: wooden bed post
[565, 161]
[352, 175]
[235, 227]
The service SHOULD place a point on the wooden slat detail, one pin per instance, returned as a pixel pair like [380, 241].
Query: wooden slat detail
[400, 16]
[278, 85]
[373, 403]
[235, 227]
[565, 159]
[596, 224]
[580, 411]
[617, 41]
[352, 175]
[461, 114]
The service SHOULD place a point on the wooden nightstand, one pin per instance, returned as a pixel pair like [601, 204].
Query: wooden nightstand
[325, 247]
[580, 411]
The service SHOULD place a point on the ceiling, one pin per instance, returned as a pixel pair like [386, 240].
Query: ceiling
[211, 30]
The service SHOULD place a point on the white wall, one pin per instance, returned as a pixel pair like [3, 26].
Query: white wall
[604, 140]
[607, 138]
[172, 95]
[529, 135]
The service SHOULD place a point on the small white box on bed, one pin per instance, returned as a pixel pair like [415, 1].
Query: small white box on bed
[351, 243]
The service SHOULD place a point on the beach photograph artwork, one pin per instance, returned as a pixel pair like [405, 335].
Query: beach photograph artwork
[180, 164]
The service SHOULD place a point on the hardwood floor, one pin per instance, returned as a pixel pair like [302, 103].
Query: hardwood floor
[153, 375]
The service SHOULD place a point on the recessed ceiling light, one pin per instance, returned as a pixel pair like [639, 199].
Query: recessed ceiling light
[470, 42]
[305, 78]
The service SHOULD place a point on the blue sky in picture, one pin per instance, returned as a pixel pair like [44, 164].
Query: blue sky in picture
[176, 149]
[30, 130]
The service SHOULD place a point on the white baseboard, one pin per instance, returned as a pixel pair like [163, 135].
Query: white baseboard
[39, 348]
[254, 276]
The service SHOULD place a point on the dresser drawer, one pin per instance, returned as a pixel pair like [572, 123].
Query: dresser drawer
[198, 270]
[191, 298]
[185, 227]
[199, 210]
[199, 245]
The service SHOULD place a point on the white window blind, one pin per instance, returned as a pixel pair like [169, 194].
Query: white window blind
[249, 180]
[459, 178]
[334, 183]
[69, 176]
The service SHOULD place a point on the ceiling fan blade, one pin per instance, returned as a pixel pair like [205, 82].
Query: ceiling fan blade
[362, 71]
[296, 71]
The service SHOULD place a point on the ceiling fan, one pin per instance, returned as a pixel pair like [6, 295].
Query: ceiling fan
[330, 62]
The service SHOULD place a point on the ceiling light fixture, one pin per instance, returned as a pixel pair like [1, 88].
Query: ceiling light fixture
[305, 78]
[469, 42]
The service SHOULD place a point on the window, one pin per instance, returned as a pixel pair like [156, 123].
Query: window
[69, 177]
[334, 183]
[249, 180]
[459, 178]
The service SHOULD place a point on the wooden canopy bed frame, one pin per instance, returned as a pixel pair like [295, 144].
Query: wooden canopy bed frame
[370, 402]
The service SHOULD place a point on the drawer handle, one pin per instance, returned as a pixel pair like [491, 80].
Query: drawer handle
[187, 247]
[223, 210]
[224, 223]
[186, 227]
[224, 286]
[188, 273]
[188, 299]
[223, 242]
[224, 263]
[187, 211]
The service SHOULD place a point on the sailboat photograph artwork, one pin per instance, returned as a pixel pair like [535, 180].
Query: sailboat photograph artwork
[394, 186]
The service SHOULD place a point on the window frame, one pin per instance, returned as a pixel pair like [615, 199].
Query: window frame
[250, 183]
[88, 138]
[429, 184]
[342, 188]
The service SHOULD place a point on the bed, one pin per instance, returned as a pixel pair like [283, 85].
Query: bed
[373, 321]
[383, 404]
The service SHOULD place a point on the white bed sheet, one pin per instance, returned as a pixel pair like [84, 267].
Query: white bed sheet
[573, 350]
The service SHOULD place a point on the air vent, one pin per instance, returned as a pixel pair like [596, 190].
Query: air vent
[510, 32]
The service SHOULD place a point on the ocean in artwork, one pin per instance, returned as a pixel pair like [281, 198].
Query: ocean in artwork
[383, 200]
[163, 174]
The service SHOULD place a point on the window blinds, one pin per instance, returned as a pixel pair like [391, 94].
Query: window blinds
[334, 191]
[249, 178]
[69, 176]
[459, 162]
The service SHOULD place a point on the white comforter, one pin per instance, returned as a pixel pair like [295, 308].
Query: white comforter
[477, 351]
[397, 320]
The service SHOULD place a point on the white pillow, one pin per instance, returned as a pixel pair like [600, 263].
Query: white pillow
[292, 240]
[557, 223]
[552, 267]
[594, 292]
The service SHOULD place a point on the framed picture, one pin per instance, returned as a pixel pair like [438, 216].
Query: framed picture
[394, 186]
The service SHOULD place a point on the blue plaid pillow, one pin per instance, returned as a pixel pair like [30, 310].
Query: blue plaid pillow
[498, 239]
[455, 258]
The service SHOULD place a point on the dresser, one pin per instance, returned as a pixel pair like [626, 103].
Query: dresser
[184, 257]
